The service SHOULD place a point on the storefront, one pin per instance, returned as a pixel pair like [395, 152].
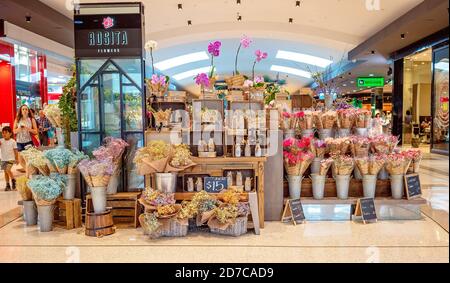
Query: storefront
[22, 80]
[421, 93]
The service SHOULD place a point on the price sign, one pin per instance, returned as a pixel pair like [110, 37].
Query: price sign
[366, 209]
[413, 187]
[293, 212]
[215, 184]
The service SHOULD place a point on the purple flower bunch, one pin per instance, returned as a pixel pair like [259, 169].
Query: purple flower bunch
[159, 80]
[214, 48]
[202, 80]
[92, 168]
[113, 149]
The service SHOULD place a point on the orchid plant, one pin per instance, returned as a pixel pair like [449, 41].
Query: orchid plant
[151, 45]
[245, 43]
[259, 57]
[214, 50]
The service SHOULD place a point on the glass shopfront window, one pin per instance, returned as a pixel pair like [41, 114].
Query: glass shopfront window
[441, 100]
[417, 98]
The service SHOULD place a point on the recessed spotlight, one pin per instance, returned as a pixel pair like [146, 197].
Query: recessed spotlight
[28, 19]
[297, 3]
[180, 6]
[371, 75]
[189, 23]
[238, 2]
[344, 85]
[291, 20]
[373, 51]
[402, 36]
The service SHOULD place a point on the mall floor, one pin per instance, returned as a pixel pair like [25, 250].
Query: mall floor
[424, 240]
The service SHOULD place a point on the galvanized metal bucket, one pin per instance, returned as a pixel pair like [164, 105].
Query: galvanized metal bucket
[342, 186]
[98, 195]
[397, 186]
[30, 213]
[369, 185]
[307, 133]
[357, 173]
[315, 165]
[318, 186]
[45, 214]
[69, 190]
[113, 185]
[166, 182]
[325, 133]
[362, 132]
[343, 133]
[295, 186]
[383, 175]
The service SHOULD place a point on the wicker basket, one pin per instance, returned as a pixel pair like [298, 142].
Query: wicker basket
[237, 80]
[238, 229]
[172, 228]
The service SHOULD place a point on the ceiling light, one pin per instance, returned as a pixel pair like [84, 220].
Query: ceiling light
[303, 58]
[28, 19]
[354, 90]
[373, 51]
[402, 36]
[297, 3]
[180, 6]
[371, 75]
[181, 60]
[189, 23]
[191, 73]
[238, 2]
[291, 71]
[291, 20]
[352, 82]
[239, 17]
[344, 85]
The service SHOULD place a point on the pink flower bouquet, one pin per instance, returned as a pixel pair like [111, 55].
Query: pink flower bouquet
[397, 163]
[325, 166]
[415, 155]
[360, 146]
[346, 118]
[319, 148]
[362, 118]
[384, 144]
[296, 156]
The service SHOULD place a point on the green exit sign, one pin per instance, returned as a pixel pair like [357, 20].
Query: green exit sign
[371, 82]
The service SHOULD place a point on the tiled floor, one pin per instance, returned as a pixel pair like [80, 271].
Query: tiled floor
[425, 240]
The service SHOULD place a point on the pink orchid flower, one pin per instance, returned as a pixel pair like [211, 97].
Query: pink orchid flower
[202, 80]
[214, 48]
[248, 83]
[246, 41]
[260, 55]
[259, 79]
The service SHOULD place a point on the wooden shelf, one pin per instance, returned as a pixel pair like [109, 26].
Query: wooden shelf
[224, 160]
[351, 201]
[190, 196]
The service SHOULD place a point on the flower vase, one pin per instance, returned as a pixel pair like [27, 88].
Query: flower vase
[295, 186]
[369, 185]
[45, 215]
[342, 186]
[318, 186]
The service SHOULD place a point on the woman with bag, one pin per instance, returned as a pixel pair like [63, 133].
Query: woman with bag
[25, 129]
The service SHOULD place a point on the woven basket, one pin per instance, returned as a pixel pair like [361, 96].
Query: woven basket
[238, 229]
[173, 229]
[237, 80]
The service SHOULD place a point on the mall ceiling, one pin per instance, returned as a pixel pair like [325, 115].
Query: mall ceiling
[322, 28]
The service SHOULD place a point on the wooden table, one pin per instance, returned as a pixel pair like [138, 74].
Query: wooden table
[216, 166]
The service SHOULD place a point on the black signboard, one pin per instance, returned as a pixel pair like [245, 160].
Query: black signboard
[215, 184]
[105, 36]
[413, 188]
[367, 210]
[294, 212]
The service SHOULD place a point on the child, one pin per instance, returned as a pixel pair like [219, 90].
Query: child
[10, 155]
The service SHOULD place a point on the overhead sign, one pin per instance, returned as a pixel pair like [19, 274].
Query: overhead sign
[105, 36]
[371, 82]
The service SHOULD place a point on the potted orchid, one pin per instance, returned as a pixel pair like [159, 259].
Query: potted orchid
[214, 51]
[158, 84]
[237, 79]
[256, 87]
[259, 57]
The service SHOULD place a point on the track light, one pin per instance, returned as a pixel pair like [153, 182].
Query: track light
[28, 19]
[373, 52]
[239, 17]
[402, 36]
[238, 2]
[189, 23]
[180, 6]
[297, 4]
[291, 20]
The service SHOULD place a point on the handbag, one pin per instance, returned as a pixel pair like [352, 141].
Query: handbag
[35, 138]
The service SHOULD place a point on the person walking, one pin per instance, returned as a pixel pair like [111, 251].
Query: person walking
[44, 128]
[10, 156]
[24, 127]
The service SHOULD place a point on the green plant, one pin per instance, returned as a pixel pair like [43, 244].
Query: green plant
[67, 105]
[272, 90]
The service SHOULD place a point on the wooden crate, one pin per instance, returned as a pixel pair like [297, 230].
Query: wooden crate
[125, 209]
[67, 214]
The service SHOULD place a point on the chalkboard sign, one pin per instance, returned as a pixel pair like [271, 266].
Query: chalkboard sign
[293, 212]
[366, 209]
[215, 184]
[412, 184]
